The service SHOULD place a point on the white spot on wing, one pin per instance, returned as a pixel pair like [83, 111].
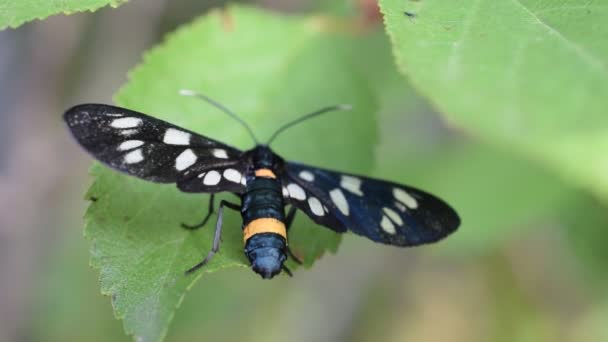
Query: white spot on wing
[387, 225]
[185, 160]
[307, 176]
[134, 157]
[219, 153]
[113, 114]
[393, 216]
[337, 196]
[405, 198]
[212, 178]
[285, 192]
[126, 122]
[295, 191]
[352, 184]
[129, 144]
[400, 206]
[315, 206]
[202, 175]
[128, 132]
[176, 137]
[232, 175]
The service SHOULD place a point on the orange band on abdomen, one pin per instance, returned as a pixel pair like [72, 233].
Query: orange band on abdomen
[264, 225]
[265, 173]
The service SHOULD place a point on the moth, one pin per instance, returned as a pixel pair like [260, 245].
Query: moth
[265, 183]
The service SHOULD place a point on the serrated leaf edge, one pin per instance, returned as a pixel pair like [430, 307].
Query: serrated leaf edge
[15, 24]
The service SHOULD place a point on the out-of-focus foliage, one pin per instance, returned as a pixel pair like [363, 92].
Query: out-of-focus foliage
[134, 226]
[529, 75]
[586, 220]
[14, 13]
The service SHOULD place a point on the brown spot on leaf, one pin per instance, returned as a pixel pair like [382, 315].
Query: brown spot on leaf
[369, 11]
[227, 21]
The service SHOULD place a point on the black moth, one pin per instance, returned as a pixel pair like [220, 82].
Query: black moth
[155, 150]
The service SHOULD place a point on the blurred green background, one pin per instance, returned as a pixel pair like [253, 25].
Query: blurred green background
[528, 264]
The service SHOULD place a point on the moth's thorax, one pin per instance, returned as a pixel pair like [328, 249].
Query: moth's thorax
[265, 173]
[262, 158]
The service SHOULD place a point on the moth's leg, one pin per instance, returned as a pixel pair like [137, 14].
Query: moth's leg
[287, 270]
[291, 214]
[293, 256]
[218, 233]
[210, 212]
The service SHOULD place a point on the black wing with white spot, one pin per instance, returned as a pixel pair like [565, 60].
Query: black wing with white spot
[155, 150]
[382, 211]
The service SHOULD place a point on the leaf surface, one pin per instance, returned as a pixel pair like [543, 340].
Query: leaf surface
[530, 75]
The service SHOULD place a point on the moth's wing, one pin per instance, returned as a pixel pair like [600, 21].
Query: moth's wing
[155, 150]
[382, 211]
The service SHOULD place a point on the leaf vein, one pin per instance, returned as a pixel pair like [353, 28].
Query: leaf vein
[456, 53]
[584, 54]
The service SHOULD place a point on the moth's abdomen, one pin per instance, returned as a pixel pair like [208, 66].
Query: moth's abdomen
[264, 225]
[266, 253]
[264, 230]
[262, 199]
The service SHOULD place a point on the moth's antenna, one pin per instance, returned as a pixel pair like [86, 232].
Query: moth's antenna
[306, 117]
[187, 92]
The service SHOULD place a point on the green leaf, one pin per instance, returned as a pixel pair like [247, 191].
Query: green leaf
[269, 69]
[527, 74]
[498, 194]
[14, 13]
